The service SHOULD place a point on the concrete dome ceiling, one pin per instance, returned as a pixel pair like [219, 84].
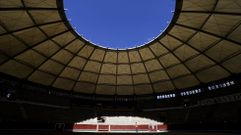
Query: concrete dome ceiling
[202, 44]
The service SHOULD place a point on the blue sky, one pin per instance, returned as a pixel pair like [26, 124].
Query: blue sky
[119, 23]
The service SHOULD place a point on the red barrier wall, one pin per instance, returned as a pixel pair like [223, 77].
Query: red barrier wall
[85, 126]
[104, 127]
[123, 128]
[162, 127]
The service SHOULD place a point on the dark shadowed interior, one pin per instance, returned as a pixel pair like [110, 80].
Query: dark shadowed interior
[189, 77]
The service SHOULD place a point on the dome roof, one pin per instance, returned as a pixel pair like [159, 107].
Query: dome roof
[201, 45]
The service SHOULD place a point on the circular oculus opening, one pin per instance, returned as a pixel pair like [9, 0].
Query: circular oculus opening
[119, 24]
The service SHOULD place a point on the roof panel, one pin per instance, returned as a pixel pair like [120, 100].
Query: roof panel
[138, 68]
[221, 24]
[143, 89]
[64, 84]
[201, 44]
[184, 52]
[53, 28]
[108, 69]
[63, 57]
[42, 78]
[52, 67]
[2, 30]
[141, 79]
[158, 49]
[192, 20]
[70, 73]
[93, 66]
[233, 6]
[74, 46]
[45, 16]
[153, 65]
[47, 48]
[3, 58]
[78, 62]
[111, 56]
[86, 51]
[223, 50]
[233, 64]
[146, 54]
[163, 86]
[64, 38]
[14, 20]
[41, 3]
[10, 45]
[182, 33]
[197, 5]
[186, 81]
[124, 80]
[15, 68]
[88, 77]
[177, 71]
[123, 69]
[105, 90]
[10, 3]
[107, 79]
[123, 57]
[212, 74]
[169, 60]
[199, 62]
[202, 41]
[27, 36]
[98, 55]
[134, 56]
[84, 87]
[235, 35]
[124, 90]
[170, 42]
[31, 57]
[159, 76]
